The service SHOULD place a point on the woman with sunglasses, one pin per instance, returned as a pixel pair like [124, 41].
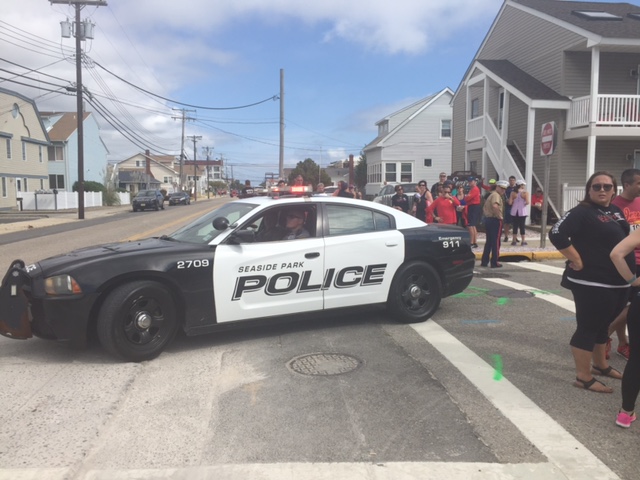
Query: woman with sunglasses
[585, 235]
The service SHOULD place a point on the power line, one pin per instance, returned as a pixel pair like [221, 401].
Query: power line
[274, 97]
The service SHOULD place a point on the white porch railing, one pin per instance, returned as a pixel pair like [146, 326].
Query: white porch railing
[572, 196]
[613, 110]
[475, 129]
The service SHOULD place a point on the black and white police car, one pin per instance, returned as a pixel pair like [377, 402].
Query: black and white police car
[231, 267]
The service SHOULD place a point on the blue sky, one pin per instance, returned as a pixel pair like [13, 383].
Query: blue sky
[346, 66]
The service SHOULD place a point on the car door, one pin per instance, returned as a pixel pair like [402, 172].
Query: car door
[269, 278]
[363, 250]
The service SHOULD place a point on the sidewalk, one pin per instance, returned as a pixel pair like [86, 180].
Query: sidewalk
[532, 251]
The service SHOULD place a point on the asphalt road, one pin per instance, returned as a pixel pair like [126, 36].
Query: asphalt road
[482, 390]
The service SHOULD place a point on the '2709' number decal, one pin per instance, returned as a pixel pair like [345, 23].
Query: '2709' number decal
[192, 263]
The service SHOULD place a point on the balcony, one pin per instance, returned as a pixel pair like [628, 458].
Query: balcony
[617, 116]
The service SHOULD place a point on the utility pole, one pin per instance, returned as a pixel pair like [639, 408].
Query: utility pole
[281, 165]
[80, 32]
[207, 150]
[184, 118]
[195, 138]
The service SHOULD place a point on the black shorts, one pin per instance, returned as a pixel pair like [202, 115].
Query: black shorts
[473, 215]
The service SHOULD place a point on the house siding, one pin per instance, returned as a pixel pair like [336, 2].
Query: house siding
[27, 128]
[416, 140]
[532, 44]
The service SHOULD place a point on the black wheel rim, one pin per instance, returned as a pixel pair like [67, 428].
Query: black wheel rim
[416, 293]
[145, 322]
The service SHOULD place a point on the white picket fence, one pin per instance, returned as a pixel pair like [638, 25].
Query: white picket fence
[64, 200]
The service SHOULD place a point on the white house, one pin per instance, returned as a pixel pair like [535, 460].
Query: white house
[23, 164]
[413, 144]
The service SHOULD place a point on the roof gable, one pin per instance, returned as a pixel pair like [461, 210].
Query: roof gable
[65, 126]
[426, 103]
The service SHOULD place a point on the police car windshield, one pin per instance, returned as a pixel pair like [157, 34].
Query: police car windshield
[201, 231]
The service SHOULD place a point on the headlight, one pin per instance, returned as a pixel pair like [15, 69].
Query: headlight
[61, 285]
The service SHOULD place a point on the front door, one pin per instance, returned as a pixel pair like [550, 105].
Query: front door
[271, 276]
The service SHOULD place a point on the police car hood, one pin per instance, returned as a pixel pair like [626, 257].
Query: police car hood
[105, 252]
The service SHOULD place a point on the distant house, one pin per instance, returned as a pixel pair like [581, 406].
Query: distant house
[412, 144]
[23, 156]
[196, 172]
[145, 171]
[62, 128]
[572, 63]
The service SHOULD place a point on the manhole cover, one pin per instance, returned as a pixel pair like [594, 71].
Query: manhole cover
[489, 273]
[510, 293]
[324, 364]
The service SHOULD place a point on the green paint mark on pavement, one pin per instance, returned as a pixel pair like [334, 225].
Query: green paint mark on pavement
[503, 301]
[497, 367]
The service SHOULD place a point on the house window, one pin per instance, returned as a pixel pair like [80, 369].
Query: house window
[138, 163]
[390, 172]
[168, 180]
[8, 149]
[56, 181]
[428, 162]
[41, 184]
[55, 153]
[18, 185]
[445, 128]
[406, 172]
[374, 173]
[40, 153]
[26, 186]
[4, 187]
[475, 108]
[24, 151]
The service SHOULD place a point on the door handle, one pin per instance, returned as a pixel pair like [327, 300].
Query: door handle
[391, 244]
[312, 255]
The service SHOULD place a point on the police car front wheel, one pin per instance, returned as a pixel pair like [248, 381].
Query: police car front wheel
[137, 321]
[415, 293]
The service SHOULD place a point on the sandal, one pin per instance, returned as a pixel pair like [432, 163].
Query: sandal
[587, 384]
[606, 372]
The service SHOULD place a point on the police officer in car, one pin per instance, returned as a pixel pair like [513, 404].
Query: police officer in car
[295, 225]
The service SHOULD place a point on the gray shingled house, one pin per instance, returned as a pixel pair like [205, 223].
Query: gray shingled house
[572, 63]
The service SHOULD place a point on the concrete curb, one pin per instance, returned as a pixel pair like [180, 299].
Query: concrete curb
[532, 256]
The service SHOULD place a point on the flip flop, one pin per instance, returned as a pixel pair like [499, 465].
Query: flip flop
[606, 372]
[586, 385]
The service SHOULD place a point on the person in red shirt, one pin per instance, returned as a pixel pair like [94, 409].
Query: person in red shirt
[472, 201]
[444, 207]
[536, 206]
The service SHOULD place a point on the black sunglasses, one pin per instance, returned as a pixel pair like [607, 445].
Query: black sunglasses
[607, 187]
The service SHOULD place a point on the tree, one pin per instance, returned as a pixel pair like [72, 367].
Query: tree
[311, 173]
[360, 172]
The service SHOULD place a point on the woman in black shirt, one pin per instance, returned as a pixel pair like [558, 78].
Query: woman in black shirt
[585, 235]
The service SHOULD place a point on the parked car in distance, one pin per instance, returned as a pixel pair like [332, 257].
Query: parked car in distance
[330, 190]
[148, 199]
[388, 191]
[179, 198]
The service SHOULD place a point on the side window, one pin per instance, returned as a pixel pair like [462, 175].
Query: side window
[285, 223]
[352, 220]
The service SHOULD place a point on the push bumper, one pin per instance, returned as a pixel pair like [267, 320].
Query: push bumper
[15, 321]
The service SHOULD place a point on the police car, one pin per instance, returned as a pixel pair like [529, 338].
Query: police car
[232, 266]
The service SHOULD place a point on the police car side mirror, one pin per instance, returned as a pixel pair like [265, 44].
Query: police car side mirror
[220, 223]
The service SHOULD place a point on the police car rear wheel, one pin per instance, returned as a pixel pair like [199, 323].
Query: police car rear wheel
[137, 321]
[415, 293]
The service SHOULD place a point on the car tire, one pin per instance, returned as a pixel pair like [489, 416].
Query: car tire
[137, 321]
[415, 293]
[135, 209]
